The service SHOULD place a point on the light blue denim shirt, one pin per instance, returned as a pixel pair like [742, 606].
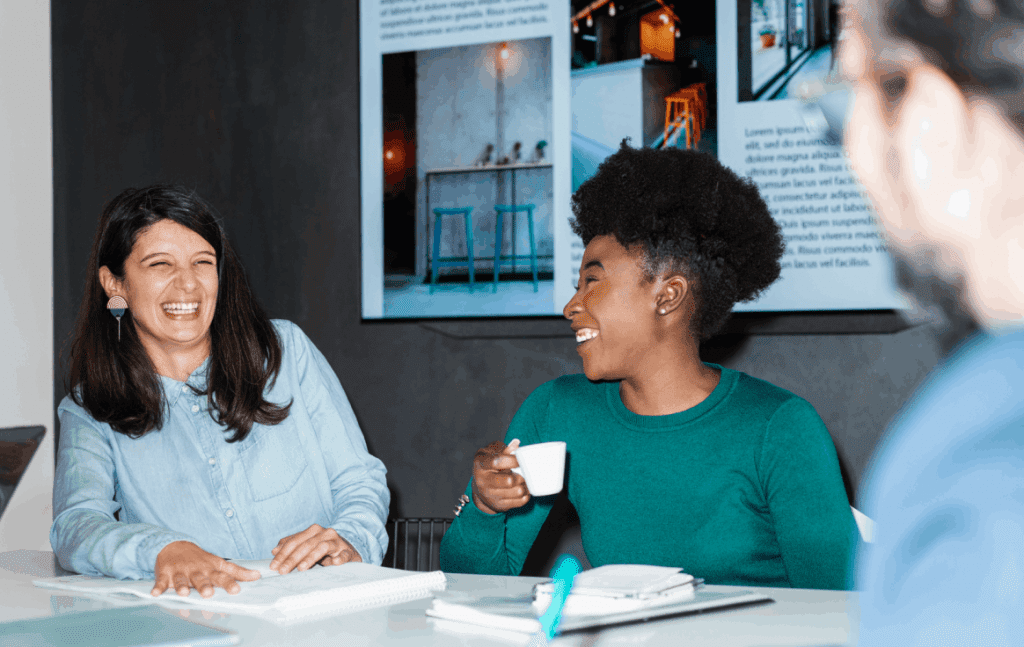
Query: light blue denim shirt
[236, 500]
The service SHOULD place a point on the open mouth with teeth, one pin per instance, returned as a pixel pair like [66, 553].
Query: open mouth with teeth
[585, 334]
[182, 309]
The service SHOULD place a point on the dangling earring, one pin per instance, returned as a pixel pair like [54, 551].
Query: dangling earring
[117, 306]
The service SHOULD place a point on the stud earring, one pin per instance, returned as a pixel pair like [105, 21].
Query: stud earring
[662, 311]
[117, 305]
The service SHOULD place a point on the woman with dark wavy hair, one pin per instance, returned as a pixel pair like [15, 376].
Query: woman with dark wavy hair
[210, 431]
[674, 461]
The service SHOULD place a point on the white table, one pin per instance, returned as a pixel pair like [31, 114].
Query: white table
[798, 617]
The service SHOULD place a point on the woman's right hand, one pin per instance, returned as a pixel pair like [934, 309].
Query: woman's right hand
[496, 488]
[183, 566]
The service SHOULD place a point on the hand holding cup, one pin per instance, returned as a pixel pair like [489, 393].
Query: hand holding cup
[496, 488]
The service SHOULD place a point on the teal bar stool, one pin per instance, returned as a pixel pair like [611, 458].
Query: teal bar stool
[438, 262]
[499, 258]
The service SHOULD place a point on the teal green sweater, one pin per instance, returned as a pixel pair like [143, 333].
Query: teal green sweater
[743, 488]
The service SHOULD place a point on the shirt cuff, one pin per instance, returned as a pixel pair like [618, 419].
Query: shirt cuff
[360, 539]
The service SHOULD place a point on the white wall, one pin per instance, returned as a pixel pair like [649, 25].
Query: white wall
[26, 259]
[607, 103]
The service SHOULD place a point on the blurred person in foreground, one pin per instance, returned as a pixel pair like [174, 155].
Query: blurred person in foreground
[212, 432]
[935, 135]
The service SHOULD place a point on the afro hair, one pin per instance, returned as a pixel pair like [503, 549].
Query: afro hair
[689, 214]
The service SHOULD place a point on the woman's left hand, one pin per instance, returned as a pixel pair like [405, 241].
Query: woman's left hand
[314, 545]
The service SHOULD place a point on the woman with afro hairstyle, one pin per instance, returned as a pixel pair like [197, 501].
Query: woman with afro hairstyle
[671, 460]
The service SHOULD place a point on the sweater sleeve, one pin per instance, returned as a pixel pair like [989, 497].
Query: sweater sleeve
[498, 544]
[804, 488]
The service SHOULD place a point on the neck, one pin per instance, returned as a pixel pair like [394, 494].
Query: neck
[174, 361]
[668, 380]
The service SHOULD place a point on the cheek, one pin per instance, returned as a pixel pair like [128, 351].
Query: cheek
[142, 291]
[594, 299]
[878, 162]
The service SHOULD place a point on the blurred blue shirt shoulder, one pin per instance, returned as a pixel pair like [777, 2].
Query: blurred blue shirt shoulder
[946, 489]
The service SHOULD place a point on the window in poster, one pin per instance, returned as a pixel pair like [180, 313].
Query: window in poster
[480, 117]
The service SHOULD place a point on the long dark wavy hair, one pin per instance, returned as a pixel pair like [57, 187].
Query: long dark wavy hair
[116, 381]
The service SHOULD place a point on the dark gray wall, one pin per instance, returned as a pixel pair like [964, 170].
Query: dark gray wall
[255, 104]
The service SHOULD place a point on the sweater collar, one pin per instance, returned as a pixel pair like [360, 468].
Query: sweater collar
[671, 421]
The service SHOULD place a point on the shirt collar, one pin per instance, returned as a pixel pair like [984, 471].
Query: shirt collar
[173, 388]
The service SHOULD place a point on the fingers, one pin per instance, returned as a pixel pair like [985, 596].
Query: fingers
[226, 582]
[181, 584]
[303, 550]
[307, 554]
[496, 456]
[236, 572]
[496, 488]
[201, 582]
[288, 544]
[162, 582]
[506, 460]
[184, 566]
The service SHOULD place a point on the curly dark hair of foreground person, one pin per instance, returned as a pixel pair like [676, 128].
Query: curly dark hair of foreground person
[114, 379]
[689, 214]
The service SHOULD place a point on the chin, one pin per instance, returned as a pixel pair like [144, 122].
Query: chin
[593, 373]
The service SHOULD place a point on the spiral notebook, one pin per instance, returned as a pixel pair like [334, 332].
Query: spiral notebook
[318, 592]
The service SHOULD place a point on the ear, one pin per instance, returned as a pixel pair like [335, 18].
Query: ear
[111, 284]
[671, 294]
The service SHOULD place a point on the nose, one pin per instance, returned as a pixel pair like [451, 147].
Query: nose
[187, 278]
[573, 307]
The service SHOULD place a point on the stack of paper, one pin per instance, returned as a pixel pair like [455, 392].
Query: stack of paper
[283, 599]
[612, 594]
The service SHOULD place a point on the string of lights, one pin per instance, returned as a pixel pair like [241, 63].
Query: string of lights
[668, 16]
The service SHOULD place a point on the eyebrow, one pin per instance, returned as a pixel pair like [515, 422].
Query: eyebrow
[593, 264]
[146, 258]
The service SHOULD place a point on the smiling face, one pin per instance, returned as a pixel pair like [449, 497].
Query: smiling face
[613, 310]
[170, 283]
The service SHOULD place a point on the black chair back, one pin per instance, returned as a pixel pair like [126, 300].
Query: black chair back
[415, 544]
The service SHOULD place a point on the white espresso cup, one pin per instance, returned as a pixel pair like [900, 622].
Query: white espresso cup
[543, 467]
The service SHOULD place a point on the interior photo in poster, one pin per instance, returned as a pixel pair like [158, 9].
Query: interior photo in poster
[643, 71]
[468, 185]
[782, 44]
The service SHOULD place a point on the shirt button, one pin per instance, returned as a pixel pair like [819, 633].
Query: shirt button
[195, 408]
[184, 389]
[229, 513]
[213, 460]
